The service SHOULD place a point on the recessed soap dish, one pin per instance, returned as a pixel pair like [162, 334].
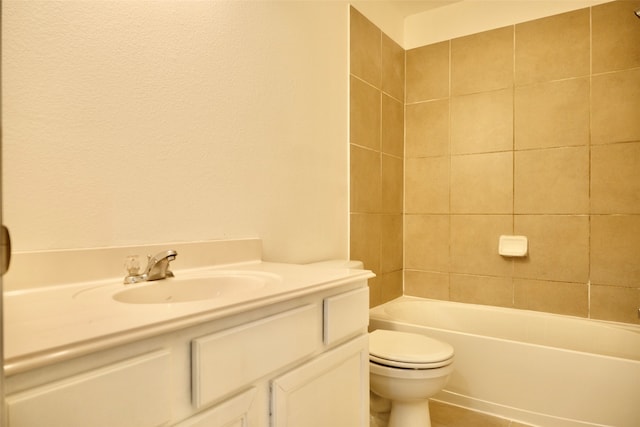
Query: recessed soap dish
[515, 246]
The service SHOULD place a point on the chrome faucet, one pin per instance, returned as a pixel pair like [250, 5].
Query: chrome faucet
[157, 268]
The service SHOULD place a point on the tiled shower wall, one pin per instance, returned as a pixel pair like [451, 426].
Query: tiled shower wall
[376, 144]
[531, 129]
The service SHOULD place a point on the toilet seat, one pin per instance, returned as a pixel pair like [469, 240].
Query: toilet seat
[408, 350]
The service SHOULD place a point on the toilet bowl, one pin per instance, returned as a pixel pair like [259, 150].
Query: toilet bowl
[408, 369]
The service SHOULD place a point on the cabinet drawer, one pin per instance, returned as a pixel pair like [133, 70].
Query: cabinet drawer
[226, 361]
[131, 393]
[346, 314]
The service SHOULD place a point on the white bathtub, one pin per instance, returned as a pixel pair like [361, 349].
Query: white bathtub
[537, 368]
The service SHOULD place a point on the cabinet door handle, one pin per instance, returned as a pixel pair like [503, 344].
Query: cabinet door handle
[5, 250]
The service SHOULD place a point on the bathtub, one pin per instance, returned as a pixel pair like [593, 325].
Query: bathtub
[537, 368]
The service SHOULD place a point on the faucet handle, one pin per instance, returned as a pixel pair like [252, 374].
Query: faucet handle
[132, 264]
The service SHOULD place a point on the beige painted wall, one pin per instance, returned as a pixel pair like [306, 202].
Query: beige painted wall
[143, 122]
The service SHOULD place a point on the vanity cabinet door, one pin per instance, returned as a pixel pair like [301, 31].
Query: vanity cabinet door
[132, 393]
[234, 412]
[235, 358]
[331, 390]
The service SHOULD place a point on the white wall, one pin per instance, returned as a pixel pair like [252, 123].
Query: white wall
[418, 23]
[144, 122]
[387, 15]
[473, 16]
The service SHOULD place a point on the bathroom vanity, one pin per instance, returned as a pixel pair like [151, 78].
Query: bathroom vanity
[291, 353]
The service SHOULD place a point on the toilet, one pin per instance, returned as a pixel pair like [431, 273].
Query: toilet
[408, 369]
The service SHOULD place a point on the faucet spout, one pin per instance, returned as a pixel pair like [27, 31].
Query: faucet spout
[158, 266]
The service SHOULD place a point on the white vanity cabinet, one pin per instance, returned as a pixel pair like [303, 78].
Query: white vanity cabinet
[266, 345]
[131, 393]
[313, 361]
[296, 363]
[238, 411]
[331, 390]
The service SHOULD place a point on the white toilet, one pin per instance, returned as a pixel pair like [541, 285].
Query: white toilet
[408, 369]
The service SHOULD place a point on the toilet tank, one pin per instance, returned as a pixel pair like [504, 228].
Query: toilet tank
[339, 263]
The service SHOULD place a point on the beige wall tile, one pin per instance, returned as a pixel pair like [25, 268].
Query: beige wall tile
[552, 181]
[482, 122]
[616, 36]
[375, 292]
[558, 247]
[365, 238]
[365, 49]
[554, 114]
[615, 178]
[376, 156]
[391, 285]
[615, 102]
[482, 61]
[365, 179]
[426, 284]
[552, 297]
[392, 184]
[426, 242]
[615, 245]
[427, 129]
[474, 244]
[391, 243]
[482, 183]
[615, 303]
[427, 185]
[392, 126]
[553, 48]
[485, 290]
[392, 68]
[427, 72]
[364, 114]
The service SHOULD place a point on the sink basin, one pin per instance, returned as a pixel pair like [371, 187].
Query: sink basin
[189, 289]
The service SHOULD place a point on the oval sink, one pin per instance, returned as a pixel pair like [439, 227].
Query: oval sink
[175, 290]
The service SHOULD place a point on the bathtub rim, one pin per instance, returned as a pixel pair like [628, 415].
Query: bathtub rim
[379, 313]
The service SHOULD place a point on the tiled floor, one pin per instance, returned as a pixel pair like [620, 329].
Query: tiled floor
[443, 415]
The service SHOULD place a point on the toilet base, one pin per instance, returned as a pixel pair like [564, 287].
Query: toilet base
[410, 414]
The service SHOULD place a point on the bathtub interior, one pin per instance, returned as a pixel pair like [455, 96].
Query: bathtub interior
[551, 380]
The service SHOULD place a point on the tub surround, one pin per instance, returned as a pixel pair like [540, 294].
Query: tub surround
[533, 119]
[514, 130]
[376, 147]
[54, 322]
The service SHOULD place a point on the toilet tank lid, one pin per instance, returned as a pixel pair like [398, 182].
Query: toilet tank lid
[408, 347]
[340, 263]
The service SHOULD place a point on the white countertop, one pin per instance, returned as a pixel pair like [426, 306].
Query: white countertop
[50, 324]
